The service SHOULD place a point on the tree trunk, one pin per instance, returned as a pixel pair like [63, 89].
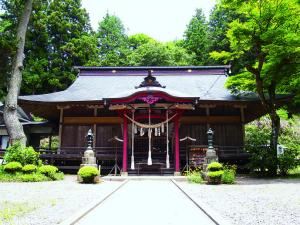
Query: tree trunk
[13, 126]
[270, 106]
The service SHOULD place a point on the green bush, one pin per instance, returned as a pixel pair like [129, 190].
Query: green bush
[13, 167]
[214, 166]
[228, 177]
[34, 177]
[23, 155]
[88, 173]
[48, 170]
[194, 176]
[287, 161]
[214, 174]
[56, 176]
[29, 168]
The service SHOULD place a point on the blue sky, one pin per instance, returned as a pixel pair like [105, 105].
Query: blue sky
[164, 20]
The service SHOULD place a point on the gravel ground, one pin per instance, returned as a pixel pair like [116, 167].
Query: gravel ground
[252, 201]
[50, 202]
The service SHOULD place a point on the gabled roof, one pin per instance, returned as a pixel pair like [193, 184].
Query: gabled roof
[99, 83]
[24, 118]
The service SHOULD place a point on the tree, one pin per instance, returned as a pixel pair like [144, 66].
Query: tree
[218, 24]
[267, 42]
[196, 38]
[13, 126]
[112, 41]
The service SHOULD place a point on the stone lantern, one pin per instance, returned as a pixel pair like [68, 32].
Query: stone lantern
[211, 155]
[89, 158]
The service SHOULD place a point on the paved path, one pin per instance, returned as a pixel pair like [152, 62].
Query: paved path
[147, 202]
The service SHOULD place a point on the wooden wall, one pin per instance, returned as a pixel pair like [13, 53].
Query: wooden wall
[224, 134]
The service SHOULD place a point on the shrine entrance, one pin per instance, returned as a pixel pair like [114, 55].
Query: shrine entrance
[159, 154]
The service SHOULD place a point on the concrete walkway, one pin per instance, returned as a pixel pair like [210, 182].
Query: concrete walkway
[147, 202]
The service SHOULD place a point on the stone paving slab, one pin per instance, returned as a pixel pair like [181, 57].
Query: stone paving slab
[147, 202]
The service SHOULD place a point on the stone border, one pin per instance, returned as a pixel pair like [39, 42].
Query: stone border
[83, 212]
[215, 217]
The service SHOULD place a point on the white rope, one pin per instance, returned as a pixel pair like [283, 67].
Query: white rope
[167, 130]
[149, 135]
[152, 126]
[132, 142]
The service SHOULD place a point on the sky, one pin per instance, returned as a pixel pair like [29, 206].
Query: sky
[164, 20]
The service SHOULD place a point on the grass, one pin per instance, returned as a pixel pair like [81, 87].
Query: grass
[11, 210]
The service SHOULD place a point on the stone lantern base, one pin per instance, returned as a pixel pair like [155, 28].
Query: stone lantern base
[89, 158]
[210, 157]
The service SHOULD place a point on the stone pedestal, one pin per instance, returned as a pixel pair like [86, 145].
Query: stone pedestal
[124, 174]
[211, 156]
[89, 158]
[177, 174]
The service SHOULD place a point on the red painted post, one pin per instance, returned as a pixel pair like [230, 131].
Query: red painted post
[125, 126]
[177, 165]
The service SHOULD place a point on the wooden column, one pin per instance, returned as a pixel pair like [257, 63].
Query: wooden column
[177, 156]
[95, 128]
[61, 116]
[125, 129]
[61, 120]
[207, 108]
[242, 113]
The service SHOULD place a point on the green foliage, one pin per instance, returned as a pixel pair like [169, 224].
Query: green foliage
[215, 174]
[112, 41]
[257, 141]
[214, 166]
[228, 177]
[29, 168]
[17, 174]
[264, 37]
[12, 209]
[48, 170]
[88, 173]
[288, 161]
[196, 39]
[57, 176]
[34, 177]
[194, 176]
[21, 154]
[13, 167]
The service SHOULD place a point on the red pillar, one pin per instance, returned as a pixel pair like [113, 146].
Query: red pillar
[125, 126]
[176, 126]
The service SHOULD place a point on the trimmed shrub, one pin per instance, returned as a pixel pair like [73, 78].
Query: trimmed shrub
[48, 170]
[13, 167]
[214, 166]
[29, 168]
[21, 154]
[88, 174]
[214, 174]
[34, 177]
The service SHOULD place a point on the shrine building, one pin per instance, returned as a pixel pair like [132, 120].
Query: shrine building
[147, 119]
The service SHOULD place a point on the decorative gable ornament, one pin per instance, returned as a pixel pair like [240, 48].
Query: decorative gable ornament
[150, 81]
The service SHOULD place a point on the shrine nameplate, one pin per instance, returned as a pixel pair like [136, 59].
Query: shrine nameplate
[197, 155]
